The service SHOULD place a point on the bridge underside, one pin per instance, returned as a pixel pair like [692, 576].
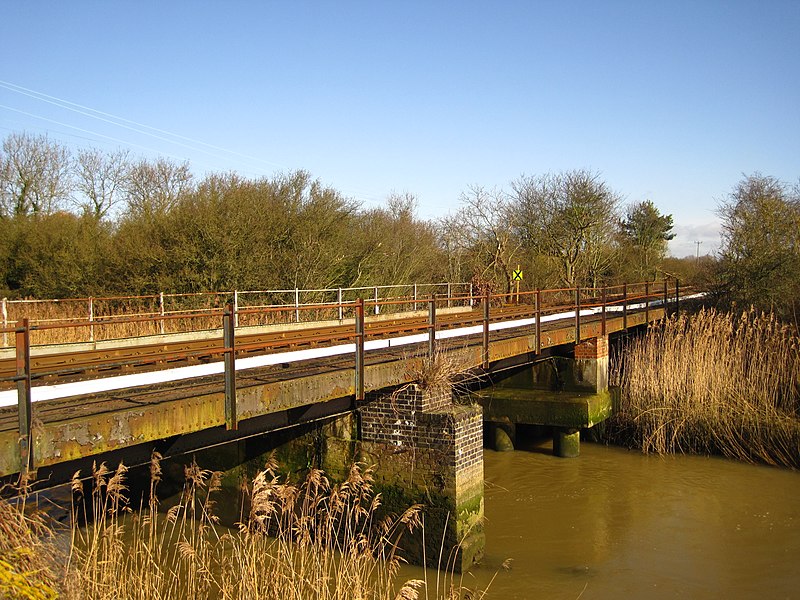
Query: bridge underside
[268, 398]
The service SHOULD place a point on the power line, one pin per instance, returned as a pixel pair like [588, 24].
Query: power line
[147, 130]
[127, 123]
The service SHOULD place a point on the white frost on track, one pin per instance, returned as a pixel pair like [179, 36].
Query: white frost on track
[107, 384]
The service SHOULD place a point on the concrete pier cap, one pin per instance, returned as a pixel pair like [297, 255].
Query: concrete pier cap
[567, 393]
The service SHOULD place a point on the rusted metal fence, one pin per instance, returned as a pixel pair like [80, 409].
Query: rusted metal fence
[162, 306]
[535, 306]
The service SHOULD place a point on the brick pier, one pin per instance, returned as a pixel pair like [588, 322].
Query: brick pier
[429, 451]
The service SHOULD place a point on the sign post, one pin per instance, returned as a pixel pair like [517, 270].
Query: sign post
[516, 276]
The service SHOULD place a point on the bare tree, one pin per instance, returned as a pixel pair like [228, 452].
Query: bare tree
[100, 179]
[487, 223]
[34, 175]
[570, 217]
[153, 188]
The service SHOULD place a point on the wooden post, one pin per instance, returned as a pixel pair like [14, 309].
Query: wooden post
[229, 340]
[578, 315]
[677, 296]
[666, 300]
[647, 302]
[24, 409]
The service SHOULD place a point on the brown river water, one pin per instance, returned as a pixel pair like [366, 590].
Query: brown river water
[614, 523]
[617, 524]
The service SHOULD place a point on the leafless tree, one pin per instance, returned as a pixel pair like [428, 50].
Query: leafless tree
[34, 175]
[487, 223]
[154, 187]
[100, 179]
[570, 217]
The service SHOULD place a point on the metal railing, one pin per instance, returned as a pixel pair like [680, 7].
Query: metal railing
[534, 305]
[92, 311]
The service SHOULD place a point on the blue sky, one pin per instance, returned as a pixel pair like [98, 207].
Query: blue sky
[671, 101]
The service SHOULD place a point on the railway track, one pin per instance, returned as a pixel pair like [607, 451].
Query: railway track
[75, 365]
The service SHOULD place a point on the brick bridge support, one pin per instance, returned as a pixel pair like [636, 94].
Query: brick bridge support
[429, 451]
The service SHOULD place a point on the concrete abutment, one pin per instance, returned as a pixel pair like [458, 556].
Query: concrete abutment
[568, 393]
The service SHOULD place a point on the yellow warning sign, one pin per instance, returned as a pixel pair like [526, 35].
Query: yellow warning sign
[516, 275]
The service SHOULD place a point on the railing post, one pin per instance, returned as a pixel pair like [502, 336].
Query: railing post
[296, 305]
[471, 298]
[5, 322]
[229, 341]
[603, 312]
[91, 319]
[432, 327]
[415, 297]
[538, 300]
[647, 302]
[677, 296]
[161, 310]
[485, 346]
[377, 308]
[359, 349]
[625, 306]
[578, 315]
[235, 308]
[23, 340]
[339, 302]
[666, 299]
[449, 295]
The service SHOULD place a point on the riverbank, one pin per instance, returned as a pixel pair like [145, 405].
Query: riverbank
[711, 383]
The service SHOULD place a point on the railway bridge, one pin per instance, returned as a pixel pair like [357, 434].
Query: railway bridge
[373, 374]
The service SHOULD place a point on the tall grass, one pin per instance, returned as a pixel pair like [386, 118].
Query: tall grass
[27, 568]
[313, 540]
[712, 383]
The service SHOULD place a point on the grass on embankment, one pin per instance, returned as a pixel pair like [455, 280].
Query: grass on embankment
[712, 383]
[314, 540]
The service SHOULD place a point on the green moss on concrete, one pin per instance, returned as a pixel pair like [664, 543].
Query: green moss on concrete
[537, 407]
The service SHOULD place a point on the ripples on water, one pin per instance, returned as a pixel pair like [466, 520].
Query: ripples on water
[617, 524]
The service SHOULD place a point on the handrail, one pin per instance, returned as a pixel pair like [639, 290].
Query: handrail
[358, 332]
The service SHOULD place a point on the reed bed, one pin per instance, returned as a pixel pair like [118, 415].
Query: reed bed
[314, 540]
[27, 568]
[712, 383]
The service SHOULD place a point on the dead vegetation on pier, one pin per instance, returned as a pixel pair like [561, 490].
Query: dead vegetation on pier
[712, 383]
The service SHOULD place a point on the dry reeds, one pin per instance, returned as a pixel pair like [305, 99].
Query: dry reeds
[27, 567]
[315, 540]
[712, 383]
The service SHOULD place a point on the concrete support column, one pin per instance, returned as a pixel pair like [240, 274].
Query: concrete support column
[503, 435]
[566, 442]
[428, 451]
[591, 365]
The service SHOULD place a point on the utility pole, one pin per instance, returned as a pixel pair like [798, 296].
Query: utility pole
[697, 254]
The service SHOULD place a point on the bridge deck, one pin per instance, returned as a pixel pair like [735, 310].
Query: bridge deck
[76, 427]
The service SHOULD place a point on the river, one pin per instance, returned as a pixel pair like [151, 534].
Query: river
[614, 523]
[617, 524]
